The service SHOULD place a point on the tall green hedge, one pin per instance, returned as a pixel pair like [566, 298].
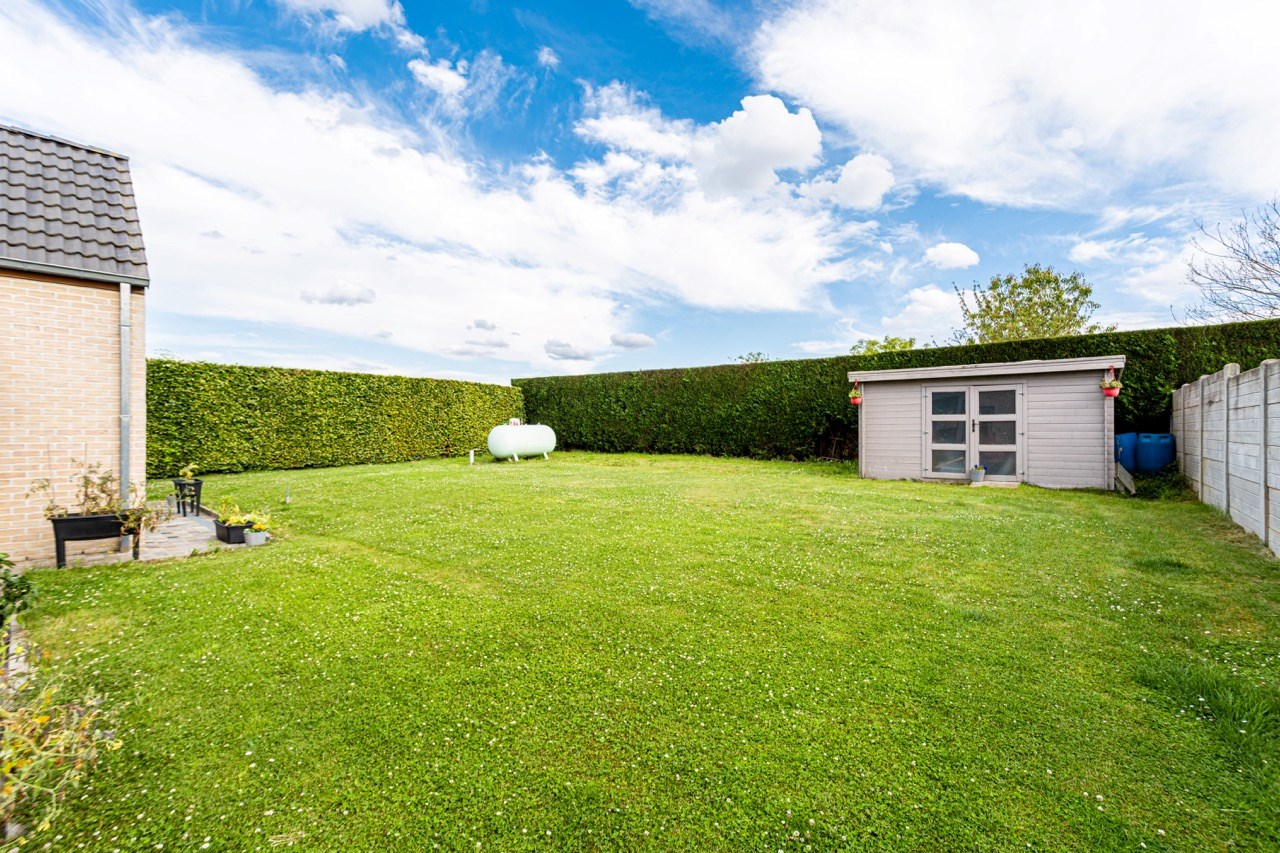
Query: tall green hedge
[800, 409]
[230, 418]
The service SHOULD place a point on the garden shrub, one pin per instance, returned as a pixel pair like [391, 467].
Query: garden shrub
[800, 409]
[46, 746]
[232, 418]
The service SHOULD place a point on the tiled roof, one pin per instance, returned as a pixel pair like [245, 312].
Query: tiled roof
[68, 209]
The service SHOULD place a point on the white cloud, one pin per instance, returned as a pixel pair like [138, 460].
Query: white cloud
[618, 117]
[563, 351]
[354, 15]
[343, 293]
[631, 340]
[1133, 249]
[951, 256]
[337, 61]
[485, 325]
[1164, 282]
[743, 153]
[1056, 104]
[310, 186]
[548, 58]
[861, 184]
[441, 76]
[738, 156]
[930, 313]
[695, 20]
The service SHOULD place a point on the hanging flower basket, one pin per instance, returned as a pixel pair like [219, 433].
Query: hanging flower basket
[1110, 385]
[855, 396]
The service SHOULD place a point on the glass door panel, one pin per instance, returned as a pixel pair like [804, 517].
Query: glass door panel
[996, 428]
[947, 432]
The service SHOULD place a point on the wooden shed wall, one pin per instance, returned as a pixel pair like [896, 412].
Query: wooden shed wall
[1069, 440]
[1070, 431]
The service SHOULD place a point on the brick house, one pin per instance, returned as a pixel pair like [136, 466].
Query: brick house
[73, 281]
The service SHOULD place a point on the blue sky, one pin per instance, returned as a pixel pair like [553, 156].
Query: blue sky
[487, 190]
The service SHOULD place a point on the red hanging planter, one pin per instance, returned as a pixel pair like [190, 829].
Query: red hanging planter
[855, 396]
[1110, 385]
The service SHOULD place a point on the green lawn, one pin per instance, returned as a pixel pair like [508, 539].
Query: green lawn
[680, 653]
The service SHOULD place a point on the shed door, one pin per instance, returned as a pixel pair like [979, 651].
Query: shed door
[969, 425]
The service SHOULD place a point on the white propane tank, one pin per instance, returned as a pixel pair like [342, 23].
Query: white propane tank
[512, 441]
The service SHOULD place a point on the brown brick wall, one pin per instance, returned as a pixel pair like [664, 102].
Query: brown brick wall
[60, 390]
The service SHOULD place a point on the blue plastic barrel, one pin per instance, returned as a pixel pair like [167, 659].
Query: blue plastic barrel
[1127, 450]
[1155, 450]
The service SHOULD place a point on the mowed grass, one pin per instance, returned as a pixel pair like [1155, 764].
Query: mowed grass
[681, 653]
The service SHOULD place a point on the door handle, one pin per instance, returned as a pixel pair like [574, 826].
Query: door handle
[975, 425]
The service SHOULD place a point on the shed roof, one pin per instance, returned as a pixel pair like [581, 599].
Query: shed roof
[67, 209]
[1000, 368]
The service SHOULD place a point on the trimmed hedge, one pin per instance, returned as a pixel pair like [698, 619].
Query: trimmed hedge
[231, 418]
[800, 409]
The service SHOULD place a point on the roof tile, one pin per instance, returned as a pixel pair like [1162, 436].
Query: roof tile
[67, 205]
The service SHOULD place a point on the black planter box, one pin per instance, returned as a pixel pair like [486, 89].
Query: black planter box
[232, 534]
[74, 528]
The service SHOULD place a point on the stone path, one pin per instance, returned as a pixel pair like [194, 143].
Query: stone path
[180, 536]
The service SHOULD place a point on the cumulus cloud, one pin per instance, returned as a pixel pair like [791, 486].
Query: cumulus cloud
[485, 325]
[631, 340]
[951, 256]
[1057, 104]
[929, 313]
[548, 58]
[861, 184]
[563, 351]
[342, 293]
[740, 155]
[743, 153]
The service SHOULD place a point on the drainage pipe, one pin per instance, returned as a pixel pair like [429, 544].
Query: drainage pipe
[126, 389]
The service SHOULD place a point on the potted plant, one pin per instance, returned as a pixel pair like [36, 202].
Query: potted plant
[186, 487]
[259, 528]
[1109, 384]
[93, 515]
[99, 512]
[855, 396]
[230, 524]
[977, 474]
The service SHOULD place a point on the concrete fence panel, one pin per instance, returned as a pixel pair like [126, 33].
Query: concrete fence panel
[1227, 430]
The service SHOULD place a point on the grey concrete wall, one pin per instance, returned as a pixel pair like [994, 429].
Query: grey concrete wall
[1227, 430]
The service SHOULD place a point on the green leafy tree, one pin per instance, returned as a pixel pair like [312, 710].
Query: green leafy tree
[888, 343]
[1039, 303]
[751, 358]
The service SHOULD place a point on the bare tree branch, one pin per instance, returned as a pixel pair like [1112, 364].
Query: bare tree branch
[1237, 267]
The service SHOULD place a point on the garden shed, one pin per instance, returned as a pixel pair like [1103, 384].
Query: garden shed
[1047, 423]
[73, 278]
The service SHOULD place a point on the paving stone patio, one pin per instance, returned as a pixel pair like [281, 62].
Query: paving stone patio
[179, 536]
